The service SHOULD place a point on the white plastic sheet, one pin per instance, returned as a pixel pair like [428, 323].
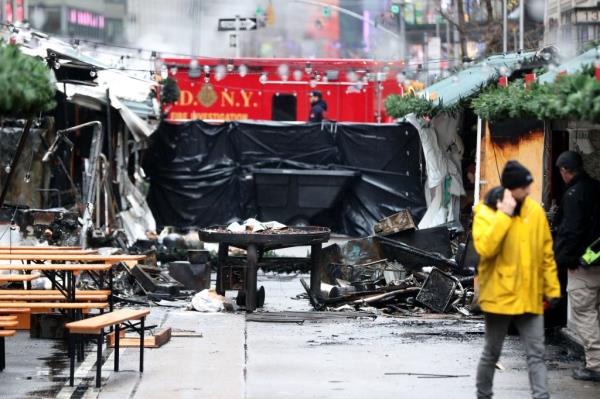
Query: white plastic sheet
[443, 150]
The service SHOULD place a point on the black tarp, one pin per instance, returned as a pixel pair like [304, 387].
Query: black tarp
[200, 174]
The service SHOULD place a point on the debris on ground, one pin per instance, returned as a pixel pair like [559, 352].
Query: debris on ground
[301, 317]
[388, 274]
[395, 223]
[254, 226]
[155, 340]
[211, 302]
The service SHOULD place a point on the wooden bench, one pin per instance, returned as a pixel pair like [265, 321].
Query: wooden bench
[53, 292]
[22, 315]
[51, 297]
[14, 311]
[45, 251]
[9, 278]
[96, 325]
[53, 305]
[38, 247]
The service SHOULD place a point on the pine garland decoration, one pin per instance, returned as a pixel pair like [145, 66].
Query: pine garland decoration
[25, 84]
[570, 97]
[399, 106]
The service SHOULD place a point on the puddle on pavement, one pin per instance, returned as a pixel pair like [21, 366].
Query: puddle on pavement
[54, 369]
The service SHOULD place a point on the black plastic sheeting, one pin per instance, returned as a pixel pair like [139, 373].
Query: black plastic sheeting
[200, 173]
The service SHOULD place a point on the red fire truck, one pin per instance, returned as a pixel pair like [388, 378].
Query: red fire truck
[278, 89]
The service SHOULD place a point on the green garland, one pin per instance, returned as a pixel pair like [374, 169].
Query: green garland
[399, 106]
[169, 91]
[572, 97]
[25, 84]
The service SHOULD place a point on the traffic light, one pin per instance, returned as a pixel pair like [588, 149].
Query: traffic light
[395, 9]
[327, 11]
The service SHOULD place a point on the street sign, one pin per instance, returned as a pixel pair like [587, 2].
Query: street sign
[228, 24]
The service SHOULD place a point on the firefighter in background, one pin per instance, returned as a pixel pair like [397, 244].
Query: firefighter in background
[578, 221]
[318, 107]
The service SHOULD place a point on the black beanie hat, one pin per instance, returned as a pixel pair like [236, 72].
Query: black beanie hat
[570, 160]
[317, 93]
[515, 175]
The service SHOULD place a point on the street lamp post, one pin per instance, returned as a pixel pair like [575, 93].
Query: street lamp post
[504, 27]
[402, 32]
[521, 24]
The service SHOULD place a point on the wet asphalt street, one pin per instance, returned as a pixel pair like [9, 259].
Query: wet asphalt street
[225, 356]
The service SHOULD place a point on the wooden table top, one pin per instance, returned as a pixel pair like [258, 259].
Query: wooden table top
[12, 311]
[66, 256]
[93, 325]
[38, 247]
[58, 267]
[5, 278]
[19, 251]
[53, 305]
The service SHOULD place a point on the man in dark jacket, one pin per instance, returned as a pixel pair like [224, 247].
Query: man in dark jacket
[318, 107]
[578, 221]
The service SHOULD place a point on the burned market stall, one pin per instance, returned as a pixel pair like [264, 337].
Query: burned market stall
[343, 176]
[543, 117]
[81, 158]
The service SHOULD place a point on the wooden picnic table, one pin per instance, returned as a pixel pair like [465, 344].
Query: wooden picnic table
[38, 247]
[19, 251]
[9, 278]
[68, 273]
[53, 305]
[72, 267]
[69, 257]
[103, 263]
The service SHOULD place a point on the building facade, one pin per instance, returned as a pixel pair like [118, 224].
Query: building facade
[95, 20]
[572, 21]
[13, 11]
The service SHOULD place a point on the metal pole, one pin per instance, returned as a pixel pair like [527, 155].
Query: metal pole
[315, 269]
[251, 269]
[455, 46]
[504, 27]
[448, 41]
[109, 135]
[15, 160]
[521, 24]
[402, 33]
[237, 36]
[426, 57]
[477, 187]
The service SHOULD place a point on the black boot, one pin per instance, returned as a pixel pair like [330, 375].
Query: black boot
[586, 374]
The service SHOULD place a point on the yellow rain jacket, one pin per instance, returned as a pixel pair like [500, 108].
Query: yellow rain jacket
[517, 270]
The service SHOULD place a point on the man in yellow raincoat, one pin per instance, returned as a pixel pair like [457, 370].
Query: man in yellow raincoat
[517, 273]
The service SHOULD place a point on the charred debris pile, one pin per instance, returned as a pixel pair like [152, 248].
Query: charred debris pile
[400, 272]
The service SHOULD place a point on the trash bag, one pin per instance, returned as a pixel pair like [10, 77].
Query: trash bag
[210, 302]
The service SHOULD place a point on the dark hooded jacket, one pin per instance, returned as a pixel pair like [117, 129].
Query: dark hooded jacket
[577, 220]
[317, 111]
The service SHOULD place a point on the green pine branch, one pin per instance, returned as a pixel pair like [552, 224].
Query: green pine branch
[25, 84]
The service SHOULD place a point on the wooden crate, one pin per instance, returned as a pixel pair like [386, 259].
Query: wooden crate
[150, 341]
